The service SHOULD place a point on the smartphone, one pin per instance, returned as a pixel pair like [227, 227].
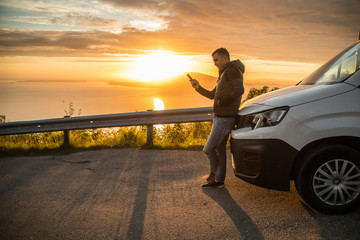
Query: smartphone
[190, 77]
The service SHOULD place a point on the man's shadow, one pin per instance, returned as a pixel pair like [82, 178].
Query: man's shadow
[242, 221]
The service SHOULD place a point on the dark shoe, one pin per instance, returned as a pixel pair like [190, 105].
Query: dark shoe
[210, 177]
[213, 184]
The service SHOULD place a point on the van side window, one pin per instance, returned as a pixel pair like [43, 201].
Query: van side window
[338, 69]
[330, 76]
[342, 69]
[348, 66]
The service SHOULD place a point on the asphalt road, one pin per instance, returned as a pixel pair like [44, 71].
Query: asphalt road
[149, 194]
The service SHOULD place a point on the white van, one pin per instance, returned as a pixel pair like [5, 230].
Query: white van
[309, 133]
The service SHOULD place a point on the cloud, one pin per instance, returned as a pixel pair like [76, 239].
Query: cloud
[297, 30]
[138, 4]
[59, 15]
[82, 20]
[46, 43]
[29, 39]
[74, 43]
[306, 30]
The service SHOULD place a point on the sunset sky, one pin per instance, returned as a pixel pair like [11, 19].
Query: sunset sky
[118, 39]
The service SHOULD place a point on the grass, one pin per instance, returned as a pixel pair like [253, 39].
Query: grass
[190, 136]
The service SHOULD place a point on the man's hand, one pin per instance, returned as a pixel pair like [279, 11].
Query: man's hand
[195, 84]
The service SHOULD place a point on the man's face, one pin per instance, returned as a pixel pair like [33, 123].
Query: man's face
[220, 60]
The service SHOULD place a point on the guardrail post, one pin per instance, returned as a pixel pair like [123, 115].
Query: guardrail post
[66, 136]
[149, 132]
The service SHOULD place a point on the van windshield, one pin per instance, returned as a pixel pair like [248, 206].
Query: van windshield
[337, 69]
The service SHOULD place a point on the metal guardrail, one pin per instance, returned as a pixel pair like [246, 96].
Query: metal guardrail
[148, 118]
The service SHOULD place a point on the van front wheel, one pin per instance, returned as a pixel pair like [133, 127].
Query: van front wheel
[329, 179]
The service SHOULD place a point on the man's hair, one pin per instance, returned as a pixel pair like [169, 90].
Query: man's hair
[222, 52]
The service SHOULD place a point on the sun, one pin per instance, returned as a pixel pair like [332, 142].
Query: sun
[158, 66]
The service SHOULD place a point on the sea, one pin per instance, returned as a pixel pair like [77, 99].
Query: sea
[35, 100]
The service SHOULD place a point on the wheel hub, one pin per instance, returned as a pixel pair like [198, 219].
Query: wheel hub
[337, 182]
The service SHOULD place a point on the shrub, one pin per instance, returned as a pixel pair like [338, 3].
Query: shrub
[257, 92]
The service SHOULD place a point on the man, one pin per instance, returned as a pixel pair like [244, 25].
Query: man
[227, 97]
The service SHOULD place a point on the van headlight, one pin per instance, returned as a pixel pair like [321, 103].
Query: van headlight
[263, 119]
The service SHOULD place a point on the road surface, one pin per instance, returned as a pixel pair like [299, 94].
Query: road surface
[149, 194]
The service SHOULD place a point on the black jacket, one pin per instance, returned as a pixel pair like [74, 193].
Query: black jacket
[228, 91]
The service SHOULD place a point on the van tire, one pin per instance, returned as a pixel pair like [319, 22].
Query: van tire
[328, 179]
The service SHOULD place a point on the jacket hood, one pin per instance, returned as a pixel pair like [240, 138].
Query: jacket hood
[238, 64]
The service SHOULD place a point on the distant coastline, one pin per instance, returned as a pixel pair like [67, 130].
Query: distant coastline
[181, 80]
[206, 81]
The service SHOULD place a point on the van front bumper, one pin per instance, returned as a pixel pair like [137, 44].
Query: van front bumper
[263, 162]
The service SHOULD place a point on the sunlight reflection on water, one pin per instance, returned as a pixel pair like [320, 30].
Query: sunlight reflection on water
[158, 105]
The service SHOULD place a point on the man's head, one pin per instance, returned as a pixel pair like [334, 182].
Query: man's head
[220, 57]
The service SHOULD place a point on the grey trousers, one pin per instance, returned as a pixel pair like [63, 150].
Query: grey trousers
[215, 147]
